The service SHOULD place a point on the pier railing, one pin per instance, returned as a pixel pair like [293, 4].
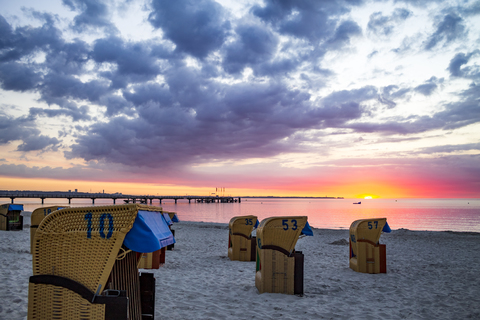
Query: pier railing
[114, 196]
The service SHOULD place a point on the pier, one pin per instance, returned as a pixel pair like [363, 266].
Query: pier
[114, 196]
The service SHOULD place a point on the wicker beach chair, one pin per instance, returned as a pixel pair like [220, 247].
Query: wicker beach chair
[366, 254]
[85, 264]
[11, 217]
[37, 217]
[173, 216]
[241, 243]
[279, 267]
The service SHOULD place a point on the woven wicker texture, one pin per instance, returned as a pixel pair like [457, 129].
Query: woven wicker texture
[282, 232]
[37, 217]
[243, 225]
[366, 229]
[81, 244]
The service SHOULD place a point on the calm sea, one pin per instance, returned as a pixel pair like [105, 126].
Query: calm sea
[413, 214]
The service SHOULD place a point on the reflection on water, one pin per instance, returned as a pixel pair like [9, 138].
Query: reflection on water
[413, 214]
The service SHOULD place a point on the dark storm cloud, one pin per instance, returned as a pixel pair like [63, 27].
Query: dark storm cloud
[457, 114]
[66, 86]
[384, 26]
[342, 35]
[428, 87]
[133, 61]
[38, 142]
[149, 92]
[240, 121]
[23, 129]
[449, 29]
[309, 19]
[116, 105]
[68, 58]
[24, 41]
[460, 59]
[18, 77]
[93, 14]
[255, 45]
[69, 109]
[196, 27]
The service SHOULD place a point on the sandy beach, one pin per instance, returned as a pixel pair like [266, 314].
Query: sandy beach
[430, 275]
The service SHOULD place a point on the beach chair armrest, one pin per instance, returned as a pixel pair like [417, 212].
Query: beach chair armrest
[277, 248]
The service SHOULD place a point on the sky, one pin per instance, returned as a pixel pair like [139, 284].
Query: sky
[336, 98]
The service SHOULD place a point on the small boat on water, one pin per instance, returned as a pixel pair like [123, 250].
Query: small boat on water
[359, 202]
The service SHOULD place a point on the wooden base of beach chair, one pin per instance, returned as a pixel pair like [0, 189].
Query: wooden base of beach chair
[370, 258]
[280, 273]
[242, 248]
[152, 260]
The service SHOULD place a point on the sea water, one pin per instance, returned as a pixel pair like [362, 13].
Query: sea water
[413, 214]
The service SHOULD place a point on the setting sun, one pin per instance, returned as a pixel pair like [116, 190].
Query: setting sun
[368, 197]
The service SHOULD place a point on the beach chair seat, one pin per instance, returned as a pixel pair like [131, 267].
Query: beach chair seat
[241, 243]
[37, 217]
[366, 254]
[11, 218]
[279, 268]
[85, 263]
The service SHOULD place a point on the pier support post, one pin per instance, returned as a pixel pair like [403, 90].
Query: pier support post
[239, 199]
[189, 200]
[11, 198]
[69, 200]
[113, 200]
[151, 200]
[175, 201]
[43, 199]
[93, 200]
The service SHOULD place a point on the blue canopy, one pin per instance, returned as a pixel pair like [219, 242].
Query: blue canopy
[149, 233]
[307, 230]
[167, 219]
[256, 225]
[15, 207]
[175, 218]
[386, 228]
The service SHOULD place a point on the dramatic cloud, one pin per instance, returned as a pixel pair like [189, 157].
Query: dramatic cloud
[196, 27]
[449, 29]
[23, 129]
[384, 26]
[429, 87]
[93, 14]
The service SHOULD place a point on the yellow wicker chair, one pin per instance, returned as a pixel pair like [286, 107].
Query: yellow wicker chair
[241, 243]
[11, 217]
[279, 267]
[82, 268]
[366, 254]
[37, 217]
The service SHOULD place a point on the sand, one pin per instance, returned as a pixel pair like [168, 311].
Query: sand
[430, 275]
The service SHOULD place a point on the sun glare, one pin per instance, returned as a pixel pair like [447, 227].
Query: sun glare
[368, 197]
